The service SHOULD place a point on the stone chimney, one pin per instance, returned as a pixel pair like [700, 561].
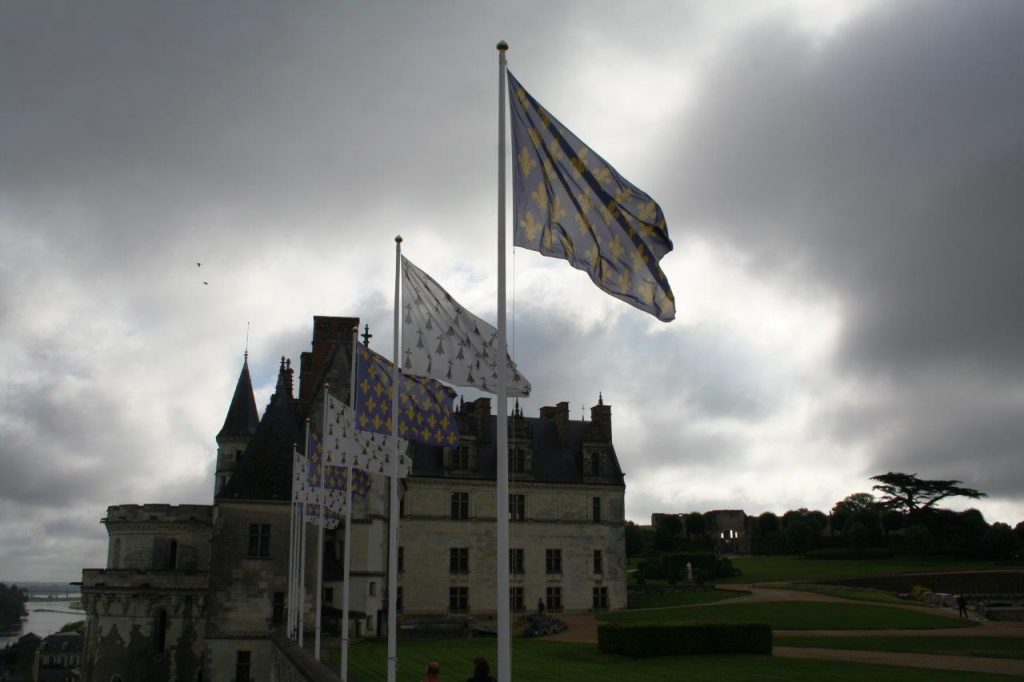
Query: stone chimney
[328, 333]
[481, 408]
[601, 421]
[560, 414]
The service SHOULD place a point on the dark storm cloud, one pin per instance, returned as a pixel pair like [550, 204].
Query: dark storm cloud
[888, 165]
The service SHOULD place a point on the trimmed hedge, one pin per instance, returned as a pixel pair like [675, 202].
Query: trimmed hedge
[851, 553]
[672, 565]
[643, 640]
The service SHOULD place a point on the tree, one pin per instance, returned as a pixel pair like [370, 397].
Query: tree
[908, 493]
[799, 535]
[767, 523]
[666, 532]
[849, 505]
[12, 604]
[999, 541]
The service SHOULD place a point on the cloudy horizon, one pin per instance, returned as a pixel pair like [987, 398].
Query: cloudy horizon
[840, 180]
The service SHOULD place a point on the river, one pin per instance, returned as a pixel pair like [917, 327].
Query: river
[44, 618]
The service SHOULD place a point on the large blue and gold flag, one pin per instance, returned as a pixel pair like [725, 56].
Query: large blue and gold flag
[570, 203]
[425, 406]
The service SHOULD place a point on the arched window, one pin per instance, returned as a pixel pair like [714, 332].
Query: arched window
[172, 555]
[115, 560]
[159, 631]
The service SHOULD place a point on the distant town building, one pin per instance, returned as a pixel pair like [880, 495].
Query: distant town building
[192, 592]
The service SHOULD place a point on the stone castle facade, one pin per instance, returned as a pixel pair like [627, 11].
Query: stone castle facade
[193, 592]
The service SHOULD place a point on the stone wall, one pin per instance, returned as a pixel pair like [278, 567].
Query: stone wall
[557, 517]
[290, 663]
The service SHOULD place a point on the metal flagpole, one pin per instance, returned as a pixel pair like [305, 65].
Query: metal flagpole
[393, 514]
[320, 538]
[504, 624]
[347, 561]
[292, 541]
[302, 552]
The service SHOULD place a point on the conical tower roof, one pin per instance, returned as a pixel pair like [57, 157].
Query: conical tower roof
[242, 418]
[265, 470]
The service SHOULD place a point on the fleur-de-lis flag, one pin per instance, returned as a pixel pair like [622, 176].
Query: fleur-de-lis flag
[570, 203]
[425, 411]
[443, 340]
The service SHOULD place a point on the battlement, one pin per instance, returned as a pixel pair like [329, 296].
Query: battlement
[159, 513]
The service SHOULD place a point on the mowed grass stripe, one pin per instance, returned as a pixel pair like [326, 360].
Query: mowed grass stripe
[652, 601]
[795, 615]
[541, 661]
[986, 647]
[761, 569]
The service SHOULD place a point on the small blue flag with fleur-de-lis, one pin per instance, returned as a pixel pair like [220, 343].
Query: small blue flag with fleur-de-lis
[570, 203]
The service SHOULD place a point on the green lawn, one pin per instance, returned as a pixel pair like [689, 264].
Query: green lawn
[760, 569]
[540, 661]
[650, 601]
[795, 616]
[990, 647]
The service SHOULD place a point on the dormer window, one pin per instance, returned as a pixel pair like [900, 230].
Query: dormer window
[460, 457]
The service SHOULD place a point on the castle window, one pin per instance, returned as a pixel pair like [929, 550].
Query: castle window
[553, 561]
[596, 506]
[373, 589]
[398, 599]
[554, 598]
[172, 555]
[517, 507]
[596, 464]
[515, 561]
[458, 598]
[517, 461]
[329, 595]
[600, 597]
[259, 540]
[598, 561]
[160, 631]
[277, 609]
[460, 505]
[458, 560]
[115, 561]
[401, 559]
[459, 458]
[243, 664]
[515, 599]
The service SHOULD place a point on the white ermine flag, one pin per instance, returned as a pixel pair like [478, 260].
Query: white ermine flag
[368, 451]
[443, 340]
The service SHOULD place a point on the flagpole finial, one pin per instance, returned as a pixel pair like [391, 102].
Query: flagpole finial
[398, 239]
[502, 46]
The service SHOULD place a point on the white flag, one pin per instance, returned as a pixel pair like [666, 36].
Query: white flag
[372, 452]
[303, 491]
[442, 340]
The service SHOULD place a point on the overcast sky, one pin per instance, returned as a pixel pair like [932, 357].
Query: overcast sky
[842, 182]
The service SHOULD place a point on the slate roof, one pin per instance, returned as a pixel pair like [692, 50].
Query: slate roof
[552, 462]
[242, 418]
[264, 471]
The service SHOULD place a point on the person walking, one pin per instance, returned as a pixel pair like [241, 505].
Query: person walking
[481, 671]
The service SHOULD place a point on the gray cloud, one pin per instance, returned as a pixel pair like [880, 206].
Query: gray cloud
[284, 149]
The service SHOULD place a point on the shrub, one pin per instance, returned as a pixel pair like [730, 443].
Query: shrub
[917, 592]
[643, 640]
